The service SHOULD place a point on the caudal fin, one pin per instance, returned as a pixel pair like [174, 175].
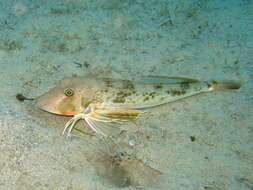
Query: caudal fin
[224, 85]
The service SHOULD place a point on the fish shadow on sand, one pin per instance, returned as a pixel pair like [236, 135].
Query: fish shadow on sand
[123, 169]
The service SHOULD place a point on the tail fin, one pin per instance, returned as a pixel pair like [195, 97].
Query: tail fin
[224, 85]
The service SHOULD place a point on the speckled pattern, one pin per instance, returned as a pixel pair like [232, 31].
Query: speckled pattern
[140, 94]
[200, 143]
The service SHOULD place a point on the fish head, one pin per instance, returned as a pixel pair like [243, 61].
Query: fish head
[64, 99]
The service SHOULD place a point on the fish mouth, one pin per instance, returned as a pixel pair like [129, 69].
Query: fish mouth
[52, 111]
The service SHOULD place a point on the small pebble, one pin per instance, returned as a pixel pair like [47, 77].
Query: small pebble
[131, 142]
[192, 138]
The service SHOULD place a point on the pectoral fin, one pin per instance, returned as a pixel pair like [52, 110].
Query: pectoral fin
[116, 115]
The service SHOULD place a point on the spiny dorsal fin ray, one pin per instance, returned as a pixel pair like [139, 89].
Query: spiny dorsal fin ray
[165, 80]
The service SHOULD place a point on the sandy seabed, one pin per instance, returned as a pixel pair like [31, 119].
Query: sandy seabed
[200, 143]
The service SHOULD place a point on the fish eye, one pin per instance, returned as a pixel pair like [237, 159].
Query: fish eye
[69, 92]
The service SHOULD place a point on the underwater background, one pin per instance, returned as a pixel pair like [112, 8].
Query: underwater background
[200, 143]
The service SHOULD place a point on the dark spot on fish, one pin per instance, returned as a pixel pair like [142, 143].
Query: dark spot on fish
[146, 98]
[158, 86]
[183, 91]
[120, 93]
[152, 94]
[168, 92]
[128, 85]
[108, 82]
[133, 91]
[119, 99]
[175, 92]
[185, 85]
[123, 94]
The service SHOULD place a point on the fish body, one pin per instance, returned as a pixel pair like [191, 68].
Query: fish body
[109, 93]
[141, 95]
[115, 100]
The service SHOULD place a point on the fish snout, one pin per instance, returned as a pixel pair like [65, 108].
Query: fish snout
[60, 105]
[46, 105]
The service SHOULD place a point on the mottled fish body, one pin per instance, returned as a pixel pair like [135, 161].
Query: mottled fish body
[140, 94]
[115, 100]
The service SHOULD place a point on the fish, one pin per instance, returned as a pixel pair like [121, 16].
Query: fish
[109, 100]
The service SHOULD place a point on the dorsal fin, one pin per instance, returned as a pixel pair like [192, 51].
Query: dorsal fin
[165, 80]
